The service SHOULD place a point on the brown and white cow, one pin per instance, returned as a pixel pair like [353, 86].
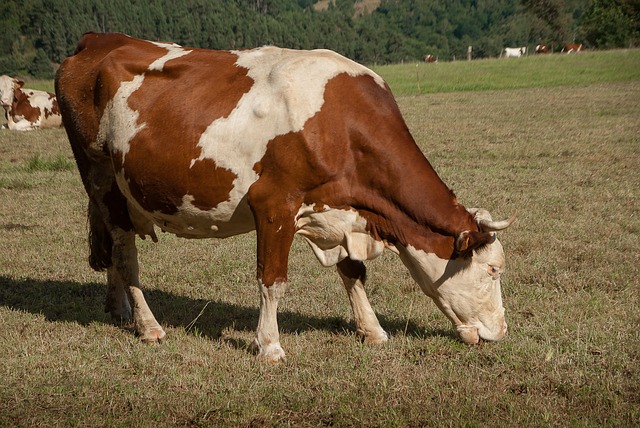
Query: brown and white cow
[542, 49]
[429, 58]
[572, 47]
[279, 141]
[28, 109]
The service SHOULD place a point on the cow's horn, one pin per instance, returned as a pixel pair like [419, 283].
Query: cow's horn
[493, 226]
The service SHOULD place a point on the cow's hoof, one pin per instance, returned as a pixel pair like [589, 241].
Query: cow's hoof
[373, 337]
[153, 335]
[272, 352]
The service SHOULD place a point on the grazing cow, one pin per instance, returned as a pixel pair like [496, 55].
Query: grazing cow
[542, 49]
[28, 109]
[429, 58]
[279, 141]
[572, 47]
[515, 52]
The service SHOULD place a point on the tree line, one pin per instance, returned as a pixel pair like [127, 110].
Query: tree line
[38, 34]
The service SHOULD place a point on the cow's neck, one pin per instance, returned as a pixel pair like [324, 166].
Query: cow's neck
[413, 206]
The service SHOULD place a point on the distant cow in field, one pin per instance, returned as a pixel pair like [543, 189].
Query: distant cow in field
[279, 141]
[515, 52]
[429, 58]
[28, 109]
[572, 47]
[542, 49]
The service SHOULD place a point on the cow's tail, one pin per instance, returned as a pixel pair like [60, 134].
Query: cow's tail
[100, 241]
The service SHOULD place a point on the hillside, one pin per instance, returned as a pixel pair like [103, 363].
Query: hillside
[38, 34]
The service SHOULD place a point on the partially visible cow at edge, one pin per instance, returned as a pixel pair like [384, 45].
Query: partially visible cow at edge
[572, 47]
[28, 109]
[279, 141]
[515, 52]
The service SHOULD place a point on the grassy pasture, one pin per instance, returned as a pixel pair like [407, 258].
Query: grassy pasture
[533, 71]
[564, 155]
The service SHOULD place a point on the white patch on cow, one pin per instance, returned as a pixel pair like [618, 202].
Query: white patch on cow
[118, 124]
[20, 123]
[39, 99]
[336, 234]
[288, 90]
[174, 51]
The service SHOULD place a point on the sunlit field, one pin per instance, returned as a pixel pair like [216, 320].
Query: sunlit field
[532, 71]
[555, 138]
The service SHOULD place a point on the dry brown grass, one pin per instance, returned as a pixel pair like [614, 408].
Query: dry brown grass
[565, 158]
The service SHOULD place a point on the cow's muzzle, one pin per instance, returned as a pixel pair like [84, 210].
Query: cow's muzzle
[471, 334]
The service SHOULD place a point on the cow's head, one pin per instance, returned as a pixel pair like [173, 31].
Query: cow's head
[8, 85]
[466, 289]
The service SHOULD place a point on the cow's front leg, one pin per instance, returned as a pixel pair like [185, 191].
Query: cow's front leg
[274, 238]
[275, 229]
[124, 294]
[353, 274]
[267, 340]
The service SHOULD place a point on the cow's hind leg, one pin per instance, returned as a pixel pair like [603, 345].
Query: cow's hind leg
[100, 259]
[123, 276]
[353, 274]
[114, 249]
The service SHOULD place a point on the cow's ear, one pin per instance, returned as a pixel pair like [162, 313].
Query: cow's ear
[469, 240]
[19, 83]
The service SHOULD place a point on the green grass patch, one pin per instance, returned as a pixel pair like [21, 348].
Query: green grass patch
[59, 162]
[40, 85]
[534, 71]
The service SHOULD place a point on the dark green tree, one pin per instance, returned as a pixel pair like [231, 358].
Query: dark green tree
[41, 67]
[550, 23]
[607, 26]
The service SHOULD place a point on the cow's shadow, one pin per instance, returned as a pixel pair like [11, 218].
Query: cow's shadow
[83, 303]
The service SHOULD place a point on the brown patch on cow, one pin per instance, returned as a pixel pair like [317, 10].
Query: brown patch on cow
[22, 107]
[390, 181]
[176, 115]
[55, 110]
[358, 154]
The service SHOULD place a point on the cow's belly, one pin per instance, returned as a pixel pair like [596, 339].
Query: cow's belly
[189, 223]
[186, 219]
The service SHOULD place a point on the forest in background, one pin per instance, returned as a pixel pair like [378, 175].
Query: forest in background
[38, 34]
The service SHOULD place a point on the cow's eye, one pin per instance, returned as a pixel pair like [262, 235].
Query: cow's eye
[493, 271]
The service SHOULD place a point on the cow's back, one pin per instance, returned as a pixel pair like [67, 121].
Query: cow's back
[185, 129]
